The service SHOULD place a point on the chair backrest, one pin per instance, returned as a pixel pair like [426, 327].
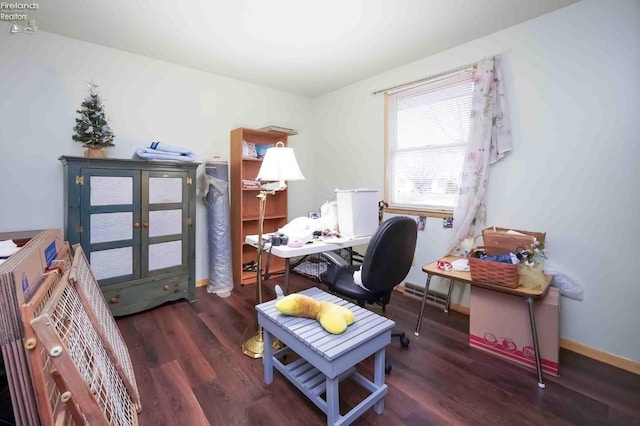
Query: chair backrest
[389, 254]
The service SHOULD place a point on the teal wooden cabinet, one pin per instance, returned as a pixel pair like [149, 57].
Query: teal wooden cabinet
[135, 221]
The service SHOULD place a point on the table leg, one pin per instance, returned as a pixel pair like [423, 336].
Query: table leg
[424, 300]
[333, 407]
[267, 357]
[286, 276]
[536, 347]
[446, 304]
[378, 378]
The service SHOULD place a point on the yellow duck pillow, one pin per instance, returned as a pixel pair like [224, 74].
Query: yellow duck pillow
[332, 317]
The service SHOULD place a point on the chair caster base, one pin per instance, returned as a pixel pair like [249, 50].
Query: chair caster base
[404, 340]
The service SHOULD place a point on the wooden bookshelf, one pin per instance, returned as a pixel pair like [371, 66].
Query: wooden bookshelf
[244, 203]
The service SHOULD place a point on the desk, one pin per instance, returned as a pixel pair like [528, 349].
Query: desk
[326, 359]
[317, 246]
[528, 294]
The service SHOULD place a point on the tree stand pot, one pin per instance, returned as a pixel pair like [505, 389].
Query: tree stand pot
[97, 152]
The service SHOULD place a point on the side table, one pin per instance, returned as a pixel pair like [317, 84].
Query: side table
[325, 358]
[527, 294]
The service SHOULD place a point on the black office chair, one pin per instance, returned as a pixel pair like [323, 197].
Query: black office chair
[386, 263]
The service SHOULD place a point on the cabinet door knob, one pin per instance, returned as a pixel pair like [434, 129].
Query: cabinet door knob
[145, 225]
[114, 300]
[136, 225]
[165, 288]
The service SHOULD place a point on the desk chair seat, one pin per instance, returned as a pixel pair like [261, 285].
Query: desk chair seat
[386, 263]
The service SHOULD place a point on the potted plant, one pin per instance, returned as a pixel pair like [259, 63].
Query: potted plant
[92, 128]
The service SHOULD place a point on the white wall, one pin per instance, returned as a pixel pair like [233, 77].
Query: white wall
[573, 83]
[43, 81]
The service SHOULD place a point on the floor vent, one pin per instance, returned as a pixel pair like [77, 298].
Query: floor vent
[416, 292]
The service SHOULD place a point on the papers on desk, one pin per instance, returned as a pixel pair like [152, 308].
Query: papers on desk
[461, 265]
[311, 246]
[7, 248]
[280, 129]
[335, 240]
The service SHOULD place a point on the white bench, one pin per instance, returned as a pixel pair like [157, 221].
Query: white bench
[325, 358]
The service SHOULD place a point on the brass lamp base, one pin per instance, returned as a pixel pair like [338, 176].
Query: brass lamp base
[253, 347]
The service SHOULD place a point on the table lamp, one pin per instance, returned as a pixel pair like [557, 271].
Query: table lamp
[279, 165]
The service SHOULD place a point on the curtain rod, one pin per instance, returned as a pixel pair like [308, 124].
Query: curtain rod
[423, 80]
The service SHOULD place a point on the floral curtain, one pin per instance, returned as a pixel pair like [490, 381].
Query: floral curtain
[489, 140]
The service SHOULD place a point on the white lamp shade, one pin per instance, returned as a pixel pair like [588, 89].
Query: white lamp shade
[279, 164]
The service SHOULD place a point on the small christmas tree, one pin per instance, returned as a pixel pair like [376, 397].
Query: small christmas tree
[92, 129]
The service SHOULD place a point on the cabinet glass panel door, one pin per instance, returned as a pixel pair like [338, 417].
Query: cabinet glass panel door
[165, 212]
[165, 222]
[117, 262]
[110, 223]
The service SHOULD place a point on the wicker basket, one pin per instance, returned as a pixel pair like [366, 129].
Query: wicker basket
[491, 272]
[499, 238]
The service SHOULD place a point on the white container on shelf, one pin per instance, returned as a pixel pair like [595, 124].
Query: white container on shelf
[357, 211]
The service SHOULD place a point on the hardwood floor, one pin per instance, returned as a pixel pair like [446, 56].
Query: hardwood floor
[190, 371]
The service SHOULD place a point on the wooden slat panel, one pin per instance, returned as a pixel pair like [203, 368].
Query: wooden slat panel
[64, 328]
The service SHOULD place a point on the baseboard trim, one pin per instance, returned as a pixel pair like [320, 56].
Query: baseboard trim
[202, 283]
[606, 357]
[459, 308]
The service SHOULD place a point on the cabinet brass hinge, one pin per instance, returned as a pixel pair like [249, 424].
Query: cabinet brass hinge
[79, 229]
[189, 220]
[189, 181]
[79, 180]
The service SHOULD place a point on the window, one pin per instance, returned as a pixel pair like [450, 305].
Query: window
[427, 130]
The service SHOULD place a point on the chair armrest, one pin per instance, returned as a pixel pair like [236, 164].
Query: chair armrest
[335, 259]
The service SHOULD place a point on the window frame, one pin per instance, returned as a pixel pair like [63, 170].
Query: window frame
[435, 211]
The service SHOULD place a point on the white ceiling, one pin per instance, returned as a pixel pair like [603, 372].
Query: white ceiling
[299, 46]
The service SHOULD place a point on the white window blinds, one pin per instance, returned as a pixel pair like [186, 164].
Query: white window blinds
[428, 126]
